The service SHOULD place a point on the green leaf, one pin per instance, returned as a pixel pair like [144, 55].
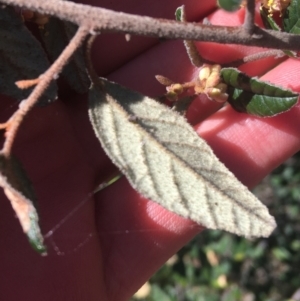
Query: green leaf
[158, 294]
[230, 5]
[166, 161]
[18, 190]
[270, 23]
[291, 18]
[268, 20]
[179, 13]
[56, 35]
[281, 253]
[255, 97]
[21, 57]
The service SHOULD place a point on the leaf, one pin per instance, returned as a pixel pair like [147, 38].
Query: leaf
[268, 20]
[189, 45]
[56, 35]
[291, 18]
[21, 57]
[230, 5]
[252, 96]
[166, 161]
[17, 188]
[179, 13]
[270, 23]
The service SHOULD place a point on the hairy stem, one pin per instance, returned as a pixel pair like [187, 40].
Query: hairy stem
[190, 47]
[45, 79]
[255, 57]
[249, 17]
[110, 21]
[89, 65]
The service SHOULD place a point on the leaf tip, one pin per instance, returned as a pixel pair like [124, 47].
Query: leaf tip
[179, 13]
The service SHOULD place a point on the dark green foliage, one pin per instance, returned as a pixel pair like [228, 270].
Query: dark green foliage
[291, 18]
[21, 57]
[255, 97]
[270, 23]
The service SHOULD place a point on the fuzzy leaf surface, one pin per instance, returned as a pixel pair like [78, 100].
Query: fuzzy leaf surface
[166, 161]
[255, 97]
[56, 35]
[18, 190]
[21, 57]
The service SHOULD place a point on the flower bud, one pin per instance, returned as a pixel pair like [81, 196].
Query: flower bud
[222, 87]
[213, 80]
[204, 72]
[217, 95]
[177, 88]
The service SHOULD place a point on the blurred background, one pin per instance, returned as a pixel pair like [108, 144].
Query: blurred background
[218, 266]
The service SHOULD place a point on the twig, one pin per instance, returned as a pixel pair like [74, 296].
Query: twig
[89, 65]
[249, 25]
[106, 20]
[190, 47]
[255, 57]
[45, 79]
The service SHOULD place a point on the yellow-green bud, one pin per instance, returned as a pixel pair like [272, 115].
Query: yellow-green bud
[177, 88]
[204, 72]
[222, 87]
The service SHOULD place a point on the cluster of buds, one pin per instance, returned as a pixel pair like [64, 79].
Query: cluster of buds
[209, 83]
[275, 5]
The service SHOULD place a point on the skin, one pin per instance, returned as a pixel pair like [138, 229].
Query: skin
[116, 240]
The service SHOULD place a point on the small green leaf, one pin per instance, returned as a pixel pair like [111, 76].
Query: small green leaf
[56, 35]
[291, 18]
[252, 96]
[18, 190]
[21, 57]
[179, 13]
[157, 293]
[281, 253]
[230, 5]
[268, 20]
[270, 23]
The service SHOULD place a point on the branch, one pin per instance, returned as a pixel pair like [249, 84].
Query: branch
[249, 25]
[254, 57]
[190, 46]
[15, 121]
[109, 21]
